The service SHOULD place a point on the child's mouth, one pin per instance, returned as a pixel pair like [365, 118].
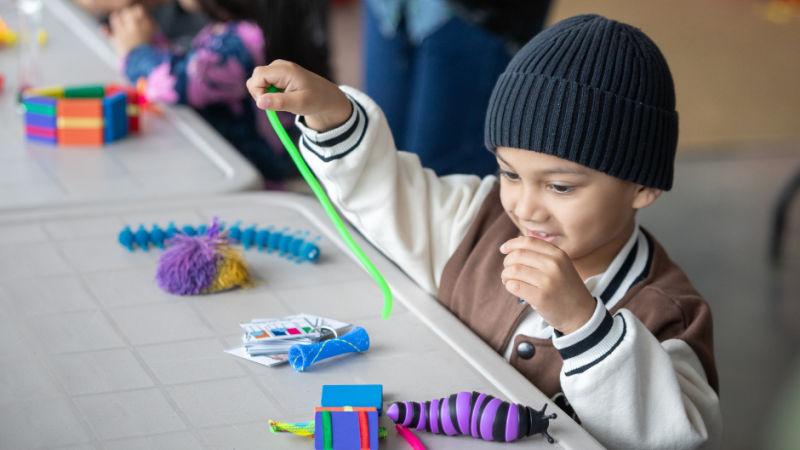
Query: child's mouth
[542, 235]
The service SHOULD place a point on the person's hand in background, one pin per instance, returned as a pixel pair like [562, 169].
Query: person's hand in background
[103, 7]
[130, 28]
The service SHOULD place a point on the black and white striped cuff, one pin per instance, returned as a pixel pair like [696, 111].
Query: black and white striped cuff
[592, 343]
[340, 141]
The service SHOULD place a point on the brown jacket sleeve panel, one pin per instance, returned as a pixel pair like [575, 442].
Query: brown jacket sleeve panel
[671, 308]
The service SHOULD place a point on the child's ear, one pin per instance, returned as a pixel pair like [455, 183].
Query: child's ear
[645, 196]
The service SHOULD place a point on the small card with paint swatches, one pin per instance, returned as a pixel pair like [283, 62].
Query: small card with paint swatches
[290, 327]
[267, 341]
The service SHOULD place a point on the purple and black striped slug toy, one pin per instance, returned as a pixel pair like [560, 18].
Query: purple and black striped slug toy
[479, 415]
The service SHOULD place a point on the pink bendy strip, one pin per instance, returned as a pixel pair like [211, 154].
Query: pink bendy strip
[409, 436]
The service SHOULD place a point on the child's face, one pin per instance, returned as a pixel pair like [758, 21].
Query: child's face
[582, 211]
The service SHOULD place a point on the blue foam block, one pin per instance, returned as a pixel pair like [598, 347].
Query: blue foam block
[43, 101]
[334, 395]
[40, 120]
[319, 440]
[372, 418]
[345, 430]
[115, 113]
[42, 140]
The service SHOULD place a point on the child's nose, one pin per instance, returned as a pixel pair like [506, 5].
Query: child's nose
[530, 208]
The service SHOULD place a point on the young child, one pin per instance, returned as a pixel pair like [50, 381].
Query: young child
[211, 76]
[546, 262]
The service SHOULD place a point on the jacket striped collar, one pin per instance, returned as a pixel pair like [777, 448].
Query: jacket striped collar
[631, 265]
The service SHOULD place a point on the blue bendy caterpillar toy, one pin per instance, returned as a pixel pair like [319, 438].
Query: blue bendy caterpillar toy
[292, 245]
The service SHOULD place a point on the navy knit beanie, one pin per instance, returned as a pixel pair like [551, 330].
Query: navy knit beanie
[593, 91]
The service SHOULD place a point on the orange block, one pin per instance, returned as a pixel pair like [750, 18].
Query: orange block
[80, 107]
[80, 136]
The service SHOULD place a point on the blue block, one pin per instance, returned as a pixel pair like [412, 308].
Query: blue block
[345, 430]
[42, 140]
[40, 120]
[372, 419]
[335, 395]
[115, 113]
[43, 101]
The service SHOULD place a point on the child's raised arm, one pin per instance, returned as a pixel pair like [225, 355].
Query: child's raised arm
[414, 217]
[307, 94]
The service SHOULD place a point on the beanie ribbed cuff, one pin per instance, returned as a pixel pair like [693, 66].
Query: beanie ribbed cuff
[595, 128]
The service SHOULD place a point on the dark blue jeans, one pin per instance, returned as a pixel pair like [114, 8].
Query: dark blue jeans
[435, 94]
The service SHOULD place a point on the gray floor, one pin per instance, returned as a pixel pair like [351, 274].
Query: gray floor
[715, 224]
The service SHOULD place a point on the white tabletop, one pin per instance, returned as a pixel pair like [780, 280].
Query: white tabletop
[93, 355]
[175, 155]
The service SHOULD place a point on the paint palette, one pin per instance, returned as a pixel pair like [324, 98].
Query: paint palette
[276, 329]
[270, 337]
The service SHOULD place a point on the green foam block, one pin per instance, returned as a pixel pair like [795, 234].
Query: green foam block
[40, 109]
[88, 91]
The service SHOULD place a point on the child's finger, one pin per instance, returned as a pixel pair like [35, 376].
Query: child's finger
[522, 290]
[522, 273]
[278, 74]
[531, 258]
[293, 102]
[529, 242]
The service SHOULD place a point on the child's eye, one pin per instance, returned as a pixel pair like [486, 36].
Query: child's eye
[561, 189]
[511, 176]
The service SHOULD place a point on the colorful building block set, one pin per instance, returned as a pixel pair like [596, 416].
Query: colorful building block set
[338, 425]
[81, 115]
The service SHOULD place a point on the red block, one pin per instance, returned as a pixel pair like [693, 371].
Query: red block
[33, 130]
[133, 124]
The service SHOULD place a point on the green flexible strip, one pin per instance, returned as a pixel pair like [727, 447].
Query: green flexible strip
[326, 205]
[327, 433]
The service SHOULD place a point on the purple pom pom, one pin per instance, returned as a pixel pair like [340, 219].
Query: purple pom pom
[189, 266]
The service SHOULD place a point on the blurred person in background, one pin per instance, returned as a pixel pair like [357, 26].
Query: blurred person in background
[210, 76]
[177, 25]
[431, 66]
